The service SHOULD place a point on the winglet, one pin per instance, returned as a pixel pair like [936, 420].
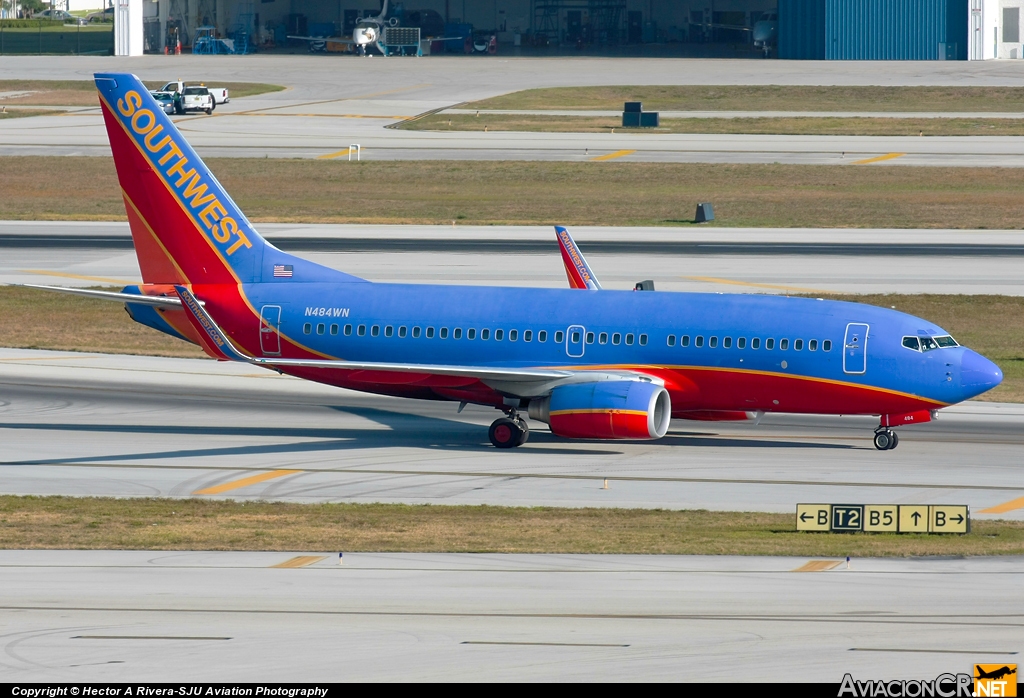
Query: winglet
[215, 342]
[576, 267]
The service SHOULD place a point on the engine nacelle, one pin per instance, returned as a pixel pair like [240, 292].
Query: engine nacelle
[606, 410]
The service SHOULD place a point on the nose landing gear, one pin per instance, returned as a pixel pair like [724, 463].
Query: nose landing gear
[886, 439]
[510, 431]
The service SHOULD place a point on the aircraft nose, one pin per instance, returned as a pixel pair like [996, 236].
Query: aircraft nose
[978, 374]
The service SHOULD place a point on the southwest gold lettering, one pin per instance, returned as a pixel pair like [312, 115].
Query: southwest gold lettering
[129, 103]
[174, 150]
[151, 136]
[242, 240]
[228, 227]
[196, 192]
[214, 210]
[150, 120]
[179, 167]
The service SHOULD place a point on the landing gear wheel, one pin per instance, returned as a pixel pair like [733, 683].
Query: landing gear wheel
[524, 429]
[884, 440]
[506, 433]
[895, 441]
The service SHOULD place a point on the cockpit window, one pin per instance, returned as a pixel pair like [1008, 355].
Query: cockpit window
[946, 341]
[911, 343]
[927, 344]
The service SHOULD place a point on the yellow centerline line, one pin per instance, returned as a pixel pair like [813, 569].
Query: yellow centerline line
[612, 156]
[880, 158]
[732, 282]
[66, 275]
[331, 156]
[299, 561]
[818, 566]
[1005, 507]
[246, 481]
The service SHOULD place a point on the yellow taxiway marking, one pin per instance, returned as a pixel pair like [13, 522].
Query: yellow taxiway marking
[300, 561]
[334, 116]
[818, 566]
[880, 158]
[612, 156]
[65, 275]
[246, 481]
[733, 282]
[339, 154]
[1005, 507]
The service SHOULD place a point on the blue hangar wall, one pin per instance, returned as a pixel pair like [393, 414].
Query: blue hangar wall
[884, 30]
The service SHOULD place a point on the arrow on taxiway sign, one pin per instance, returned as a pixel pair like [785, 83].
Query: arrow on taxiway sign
[916, 516]
[959, 518]
[804, 516]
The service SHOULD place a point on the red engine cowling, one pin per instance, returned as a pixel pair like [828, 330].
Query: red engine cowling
[606, 410]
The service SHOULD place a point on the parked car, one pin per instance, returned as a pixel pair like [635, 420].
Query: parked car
[197, 98]
[220, 94]
[170, 102]
[106, 15]
[62, 15]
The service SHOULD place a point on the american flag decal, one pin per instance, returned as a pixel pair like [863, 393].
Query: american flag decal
[283, 271]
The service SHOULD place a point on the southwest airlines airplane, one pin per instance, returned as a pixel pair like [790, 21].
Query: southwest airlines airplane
[591, 363]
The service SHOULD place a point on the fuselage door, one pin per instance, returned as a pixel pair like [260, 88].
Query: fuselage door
[270, 330]
[855, 348]
[574, 340]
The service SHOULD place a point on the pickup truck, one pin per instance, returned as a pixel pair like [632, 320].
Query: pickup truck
[197, 99]
[219, 94]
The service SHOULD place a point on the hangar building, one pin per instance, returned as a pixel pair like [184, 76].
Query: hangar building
[807, 29]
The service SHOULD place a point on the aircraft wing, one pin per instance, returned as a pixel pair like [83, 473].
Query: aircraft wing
[158, 301]
[332, 39]
[576, 267]
[525, 382]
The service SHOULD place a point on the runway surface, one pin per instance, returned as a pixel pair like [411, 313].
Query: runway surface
[104, 425]
[163, 616]
[334, 102]
[728, 260]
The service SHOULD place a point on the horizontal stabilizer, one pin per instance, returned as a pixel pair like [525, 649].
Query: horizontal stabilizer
[138, 299]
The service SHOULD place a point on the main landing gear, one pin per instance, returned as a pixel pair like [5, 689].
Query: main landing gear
[886, 439]
[510, 431]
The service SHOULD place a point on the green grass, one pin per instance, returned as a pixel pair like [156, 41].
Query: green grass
[194, 524]
[825, 126]
[542, 193]
[766, 98]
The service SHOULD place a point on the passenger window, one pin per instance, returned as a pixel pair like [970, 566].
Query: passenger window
[307, 328]
[415, 332]
[444, 333]
[671, 340]
[629, 338]
[361, 331]
[348, 330]
[727, 342]
[513, 335]
[741, 342]
[783, 344]
[542, 336]
[389, 331]
[559, 336]
[616, 338]
[321, 328]
[457, 333]
[602, 338]
[812, 345]
[684, 341]
[927, 344]
[499, 335]
[798, 344]
[528, 336]
[375, 331]
[402, 331]
[769, 344]
[699, 342]
[713, 342]
[755, 343]
[485, 334]
[590, 337]
[575, 337]
[334, 329]
[826, 345]
[643, 340]
[430, 333]
[470, 333]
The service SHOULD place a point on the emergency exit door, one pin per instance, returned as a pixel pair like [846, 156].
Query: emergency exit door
[270, 330]
[855, 348]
